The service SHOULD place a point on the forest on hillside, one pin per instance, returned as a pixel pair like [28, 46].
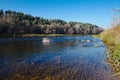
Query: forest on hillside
[12, 22]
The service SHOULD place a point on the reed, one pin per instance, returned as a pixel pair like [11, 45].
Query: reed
[111, 38]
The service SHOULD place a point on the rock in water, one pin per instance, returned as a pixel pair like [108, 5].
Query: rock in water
[46, 40]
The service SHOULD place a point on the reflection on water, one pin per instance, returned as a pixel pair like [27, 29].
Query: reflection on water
[65, 58]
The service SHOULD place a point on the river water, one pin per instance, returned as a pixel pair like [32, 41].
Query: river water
[64, 58]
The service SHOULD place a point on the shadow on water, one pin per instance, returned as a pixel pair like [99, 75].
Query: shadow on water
[65, 58]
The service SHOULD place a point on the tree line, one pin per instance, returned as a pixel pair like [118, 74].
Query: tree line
[12, 22]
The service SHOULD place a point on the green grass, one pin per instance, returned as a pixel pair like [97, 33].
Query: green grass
[30, 35]
[96, 35]
[38, 35]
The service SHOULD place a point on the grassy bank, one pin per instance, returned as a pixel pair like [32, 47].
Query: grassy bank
[38, 35]
[44, 35]
[31, 35]
[111, 38]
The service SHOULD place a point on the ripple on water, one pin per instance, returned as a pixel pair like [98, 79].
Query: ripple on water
[65, 58]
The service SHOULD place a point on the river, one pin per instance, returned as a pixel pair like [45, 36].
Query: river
[64, 58]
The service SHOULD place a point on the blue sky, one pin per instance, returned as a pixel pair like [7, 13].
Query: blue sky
[97, 12]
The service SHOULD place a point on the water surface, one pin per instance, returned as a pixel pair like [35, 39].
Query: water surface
[65, 58]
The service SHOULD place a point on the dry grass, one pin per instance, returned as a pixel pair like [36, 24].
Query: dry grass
[111, 36]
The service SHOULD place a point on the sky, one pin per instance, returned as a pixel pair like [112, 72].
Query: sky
[98, 12]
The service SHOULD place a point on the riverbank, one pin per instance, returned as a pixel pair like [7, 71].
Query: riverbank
[40, 35]
[31, 35]
[43, 35]
[111, 38]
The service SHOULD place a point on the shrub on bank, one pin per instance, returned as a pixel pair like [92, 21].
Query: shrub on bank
[111, 36]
